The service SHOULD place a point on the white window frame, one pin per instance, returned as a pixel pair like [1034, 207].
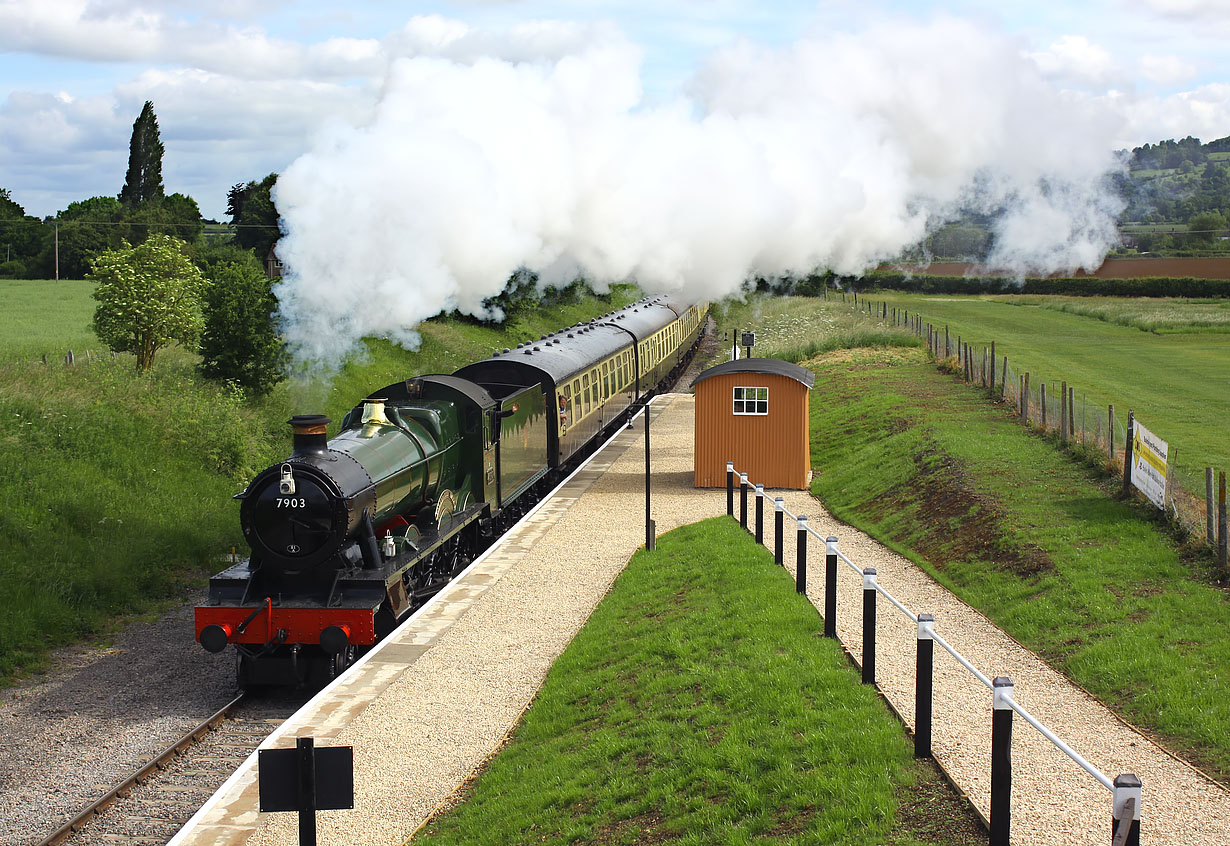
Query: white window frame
[756, 396]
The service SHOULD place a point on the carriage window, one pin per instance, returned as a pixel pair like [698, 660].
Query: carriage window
[606, 379]
[585, 392]
[751, 401]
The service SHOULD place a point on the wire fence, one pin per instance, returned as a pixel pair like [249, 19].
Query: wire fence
[1058, 408]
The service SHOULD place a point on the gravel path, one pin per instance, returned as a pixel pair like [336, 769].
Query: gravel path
[437, 722]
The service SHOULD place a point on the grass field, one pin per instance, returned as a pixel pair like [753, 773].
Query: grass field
[1173, 376]
[46, 317]
[698, 705]
[118, 487]
[1021, 531]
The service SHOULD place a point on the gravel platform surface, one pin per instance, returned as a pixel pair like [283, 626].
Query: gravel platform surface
[437, 719]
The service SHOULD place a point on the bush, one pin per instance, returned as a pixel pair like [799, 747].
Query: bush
[240, 343]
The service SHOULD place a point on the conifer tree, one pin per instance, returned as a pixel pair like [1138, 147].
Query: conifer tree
[144, 179]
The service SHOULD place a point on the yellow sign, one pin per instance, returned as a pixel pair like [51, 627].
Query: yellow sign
[1149, 453]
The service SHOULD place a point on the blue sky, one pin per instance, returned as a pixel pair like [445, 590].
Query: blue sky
[241, 88]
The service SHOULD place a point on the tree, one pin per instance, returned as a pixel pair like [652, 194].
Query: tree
[253, 213]
[148, 297]
[143, 182]
[1206, 227]
[240, 342]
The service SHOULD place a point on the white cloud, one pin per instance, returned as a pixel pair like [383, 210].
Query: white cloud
[1167, 69]
[1075, 58]
[1209, 10]
[89, 30]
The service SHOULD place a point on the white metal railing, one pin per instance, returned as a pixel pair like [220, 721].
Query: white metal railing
[1125, 796]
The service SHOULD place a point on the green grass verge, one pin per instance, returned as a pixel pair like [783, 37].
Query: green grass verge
[118, 487]
[1173, 381]
[1034, 539]
[700, 705]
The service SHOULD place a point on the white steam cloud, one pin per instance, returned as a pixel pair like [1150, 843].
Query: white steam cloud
[833, 153]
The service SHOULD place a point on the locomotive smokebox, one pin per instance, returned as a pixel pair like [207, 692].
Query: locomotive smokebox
[309, 431]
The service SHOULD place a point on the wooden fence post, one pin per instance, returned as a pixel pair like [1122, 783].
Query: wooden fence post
[992, 374]
[1025, 397]
[1063, 412]
[1003, 380]
[1127, 455]
[1042, 402]
[1071, 421]
[1110, 430]
[1221, 521]
[1210, 533]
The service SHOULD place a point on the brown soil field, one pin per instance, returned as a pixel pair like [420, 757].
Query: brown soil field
[1122, 268]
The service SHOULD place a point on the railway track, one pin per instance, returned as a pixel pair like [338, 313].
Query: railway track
[152, 803]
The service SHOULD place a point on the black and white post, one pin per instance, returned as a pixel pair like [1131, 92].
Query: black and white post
[779, 506]
[869, 625]
[830, 587]
[730, 489]
[800, 561]
[1001, 762]
[743, 501]
[760, 514]
[1126, 810]
[923, 677]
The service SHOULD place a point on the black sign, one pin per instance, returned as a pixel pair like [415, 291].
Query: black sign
[278, 771]
[749, 339]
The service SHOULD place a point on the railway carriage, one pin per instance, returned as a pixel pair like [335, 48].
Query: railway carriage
[350, 535]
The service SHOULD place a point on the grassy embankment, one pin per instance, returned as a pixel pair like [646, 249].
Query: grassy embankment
[1165, 359]
[1019, 530]
[699, 705]
[117, 488]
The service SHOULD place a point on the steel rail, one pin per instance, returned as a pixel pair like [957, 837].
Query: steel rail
[99, 805]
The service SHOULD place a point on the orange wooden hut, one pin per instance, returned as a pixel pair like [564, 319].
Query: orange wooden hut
[753, 412]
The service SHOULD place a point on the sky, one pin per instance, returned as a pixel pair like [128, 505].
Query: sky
[244, 88]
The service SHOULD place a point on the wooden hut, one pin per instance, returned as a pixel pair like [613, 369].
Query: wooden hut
[753, 412]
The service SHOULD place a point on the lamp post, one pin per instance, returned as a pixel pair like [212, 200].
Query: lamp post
[650, 533]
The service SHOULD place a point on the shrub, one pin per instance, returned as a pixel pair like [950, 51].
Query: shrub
[240, 343]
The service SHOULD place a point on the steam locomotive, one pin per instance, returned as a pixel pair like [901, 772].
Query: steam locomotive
[348, 536]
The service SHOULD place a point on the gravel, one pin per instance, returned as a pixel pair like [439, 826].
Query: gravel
[97, 715]
[437, 722]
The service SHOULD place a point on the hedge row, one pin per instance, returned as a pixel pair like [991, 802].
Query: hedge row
[1084, 286]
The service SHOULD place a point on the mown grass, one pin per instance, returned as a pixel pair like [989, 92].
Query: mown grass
[1160, 316]
[1175, 382]
[44, 317]
[1038, 542]
[118, 487]
[699, 705]
[797, 328]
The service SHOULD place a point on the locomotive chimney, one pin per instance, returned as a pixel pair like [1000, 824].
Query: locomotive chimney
[309, 432]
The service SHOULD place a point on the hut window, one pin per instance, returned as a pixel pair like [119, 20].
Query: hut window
[751, 400]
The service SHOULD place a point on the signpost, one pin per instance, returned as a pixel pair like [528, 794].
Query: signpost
[1149, 454]
[307, 780]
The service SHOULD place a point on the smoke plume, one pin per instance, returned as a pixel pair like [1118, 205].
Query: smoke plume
[536, 149]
